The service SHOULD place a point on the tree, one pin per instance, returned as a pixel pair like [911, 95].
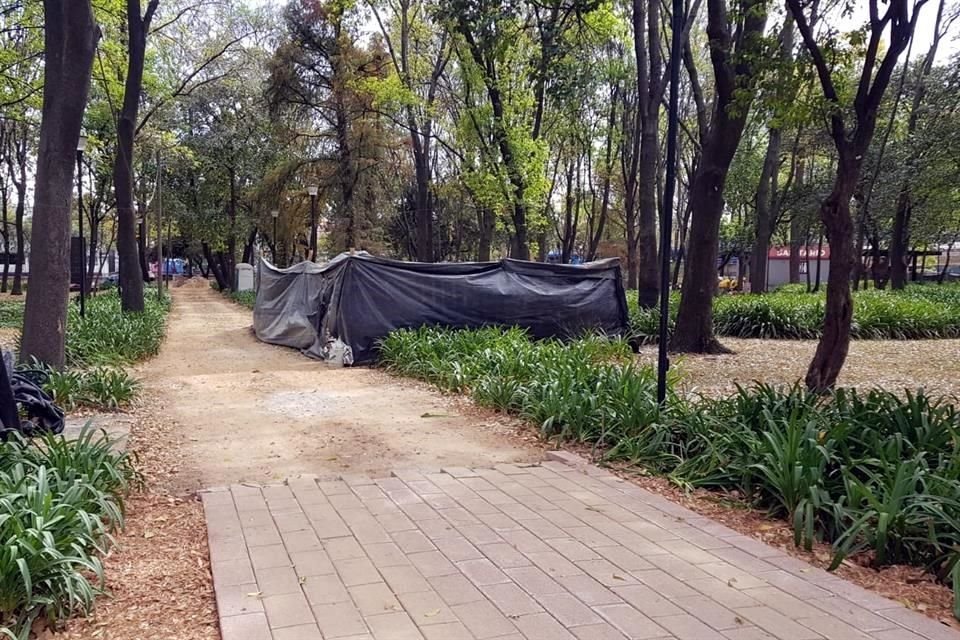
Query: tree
[900, 236]
[650, 86]
[419, 53]
[736, 65]
[851, 134]
[768, 192]
[70, 40]
[131, 278]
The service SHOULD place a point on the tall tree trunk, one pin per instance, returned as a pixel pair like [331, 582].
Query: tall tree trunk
[769, 176]
[487, 222]
[70, 40]
[141, 243]
[6, 237]
[646, 21]
[834, 343]
[248, 246]
[900, 237]
[214, 267]
[423, 202]
[733, 71]
[858, 261]
[131, 276]
[94, 245]
[19, 178]
[851, 144]
[631, 252]
[766, 193]
[231, 261]
[818, 280]
[946, 264]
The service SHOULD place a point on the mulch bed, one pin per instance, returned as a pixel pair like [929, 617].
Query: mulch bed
[158, 574]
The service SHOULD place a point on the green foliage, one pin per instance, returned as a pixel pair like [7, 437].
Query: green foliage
[11, 314]
[245, 298]
[919, 312]
[59, 501]
[99, 387]
[106, 336]
[588, 390]
[862, 470]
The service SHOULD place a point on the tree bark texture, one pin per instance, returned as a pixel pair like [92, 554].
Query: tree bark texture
[834, 343]
[70, 40]
[131, 276]
[646, 38]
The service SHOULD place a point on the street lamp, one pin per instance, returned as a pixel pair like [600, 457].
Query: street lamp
[275, 214]
[81, 146]
[312, 190]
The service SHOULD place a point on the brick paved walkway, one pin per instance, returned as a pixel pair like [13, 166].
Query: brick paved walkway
[551, 552]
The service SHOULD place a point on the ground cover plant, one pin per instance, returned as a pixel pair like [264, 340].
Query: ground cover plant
[98, 387]
[244, 298]
[99, 346]
[871, 472]
[59, 502]
[11, 314]
[918, 312]
[107, 336]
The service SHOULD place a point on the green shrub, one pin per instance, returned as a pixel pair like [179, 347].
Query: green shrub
[244, 298]
[11, 314]
[862, 470]
[107, 336]
[98, 387]
[59, 501]
[918, 312]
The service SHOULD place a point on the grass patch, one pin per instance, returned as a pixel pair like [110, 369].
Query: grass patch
[100, 387]
[60, 502]
[244, 298]
[11, 314]
[918, 312]
[98, 348]
[109, 337]
[865, 471]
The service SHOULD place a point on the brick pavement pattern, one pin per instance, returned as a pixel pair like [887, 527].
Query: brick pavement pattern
[557, 551]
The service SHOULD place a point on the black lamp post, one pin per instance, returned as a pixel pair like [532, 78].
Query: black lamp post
[312, 190]
[81, 145]
[275, 214]
[666, 222]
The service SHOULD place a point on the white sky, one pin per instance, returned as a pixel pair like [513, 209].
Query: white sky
[921, 40]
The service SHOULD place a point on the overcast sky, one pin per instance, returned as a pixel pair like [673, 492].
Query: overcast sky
[922, 37]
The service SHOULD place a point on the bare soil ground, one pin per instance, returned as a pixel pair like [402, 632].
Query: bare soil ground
[248, 411]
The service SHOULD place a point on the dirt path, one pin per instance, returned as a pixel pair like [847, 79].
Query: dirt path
[248, 411]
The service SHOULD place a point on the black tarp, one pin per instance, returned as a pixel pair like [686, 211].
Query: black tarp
[340, 310]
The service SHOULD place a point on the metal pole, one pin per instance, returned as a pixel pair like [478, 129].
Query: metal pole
[83, 260]
[666, 222]
[159, 228]
[313, 228]
[274, 240]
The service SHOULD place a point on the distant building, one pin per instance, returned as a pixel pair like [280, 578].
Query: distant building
[778, 265]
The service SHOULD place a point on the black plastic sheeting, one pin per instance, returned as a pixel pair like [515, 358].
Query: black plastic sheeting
[340, 310]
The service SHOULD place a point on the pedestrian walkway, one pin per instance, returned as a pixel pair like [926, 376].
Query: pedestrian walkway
[558, 551]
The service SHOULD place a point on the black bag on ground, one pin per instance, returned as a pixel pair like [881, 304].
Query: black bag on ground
[24, 406]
